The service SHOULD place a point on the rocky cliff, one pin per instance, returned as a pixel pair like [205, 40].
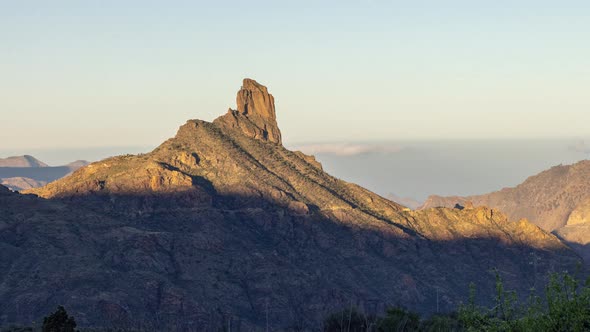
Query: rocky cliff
[255, 116]
[223, 224]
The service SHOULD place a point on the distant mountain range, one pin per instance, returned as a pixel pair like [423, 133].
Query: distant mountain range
[221, 225]
[557, 200]
[405, 201]
[26, 172]
[22, 161]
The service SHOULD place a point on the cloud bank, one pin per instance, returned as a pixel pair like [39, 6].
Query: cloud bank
[347, 149]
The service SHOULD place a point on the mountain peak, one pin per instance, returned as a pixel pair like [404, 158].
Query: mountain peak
[255, 115]
[223, 214]
[22, 161]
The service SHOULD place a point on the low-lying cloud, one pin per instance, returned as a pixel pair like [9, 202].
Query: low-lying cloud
[347, 149]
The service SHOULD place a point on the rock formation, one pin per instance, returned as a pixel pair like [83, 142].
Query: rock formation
[580, 215]
[576, 232]
[223, 224]
[255, 115]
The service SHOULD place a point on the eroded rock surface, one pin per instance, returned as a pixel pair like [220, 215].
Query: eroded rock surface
[255, 115]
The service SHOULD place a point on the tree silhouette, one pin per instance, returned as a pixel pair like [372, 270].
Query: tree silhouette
[59, 321]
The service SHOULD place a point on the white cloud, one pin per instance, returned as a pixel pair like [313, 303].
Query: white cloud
[347, 149]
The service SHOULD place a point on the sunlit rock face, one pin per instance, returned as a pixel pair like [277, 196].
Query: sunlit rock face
[580, 215]
[549, 199]
[255, 115]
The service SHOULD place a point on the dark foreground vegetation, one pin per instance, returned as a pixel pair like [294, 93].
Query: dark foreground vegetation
[564, 307]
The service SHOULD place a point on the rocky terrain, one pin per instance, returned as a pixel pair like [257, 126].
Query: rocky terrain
[22, 183]
[223, 225]
[557, 200]
[27, 172]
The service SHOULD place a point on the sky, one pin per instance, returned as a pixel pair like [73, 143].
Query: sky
[418, 169]
[94, 74]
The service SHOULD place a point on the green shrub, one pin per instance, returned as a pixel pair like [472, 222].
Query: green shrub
[565, 307]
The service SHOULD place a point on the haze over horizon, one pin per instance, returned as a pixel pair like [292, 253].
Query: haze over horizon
[81, 75]
[411, 169]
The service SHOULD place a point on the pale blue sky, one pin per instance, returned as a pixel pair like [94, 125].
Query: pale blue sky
[127, 73]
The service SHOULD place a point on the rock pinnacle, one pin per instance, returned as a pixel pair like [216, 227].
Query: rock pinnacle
[255, 115]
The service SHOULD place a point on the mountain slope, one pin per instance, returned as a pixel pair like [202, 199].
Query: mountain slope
[557, 200]
[222, 223]
[546, 199]
[27, 172]
[236, 160]
[21, 183]
[74, 165]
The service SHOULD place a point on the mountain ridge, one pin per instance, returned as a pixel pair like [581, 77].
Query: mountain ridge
[222, 221]
[557, 200]
[547, 198]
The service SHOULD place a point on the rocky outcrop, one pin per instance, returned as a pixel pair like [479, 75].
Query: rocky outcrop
[580, 215]
[576, 233]
[310, 159]
[255, 116]
[434, 201]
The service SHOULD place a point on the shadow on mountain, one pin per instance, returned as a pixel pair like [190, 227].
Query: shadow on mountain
[46, 174]
[198, 260]
[583, 250]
